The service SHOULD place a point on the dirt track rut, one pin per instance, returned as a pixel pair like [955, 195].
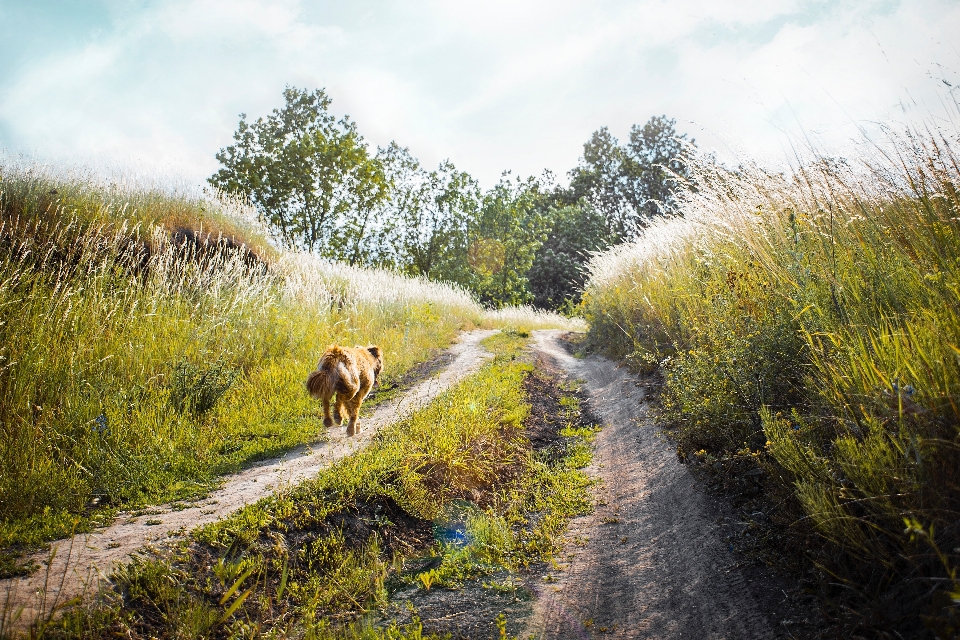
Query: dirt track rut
[82, 562]
[650, 562]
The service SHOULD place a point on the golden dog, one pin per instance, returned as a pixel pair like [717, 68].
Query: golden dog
[349, 373]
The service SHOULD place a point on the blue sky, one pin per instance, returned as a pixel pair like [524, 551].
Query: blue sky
[157, 86]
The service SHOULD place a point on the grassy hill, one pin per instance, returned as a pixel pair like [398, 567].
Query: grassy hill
[151, 342]
[807, 327]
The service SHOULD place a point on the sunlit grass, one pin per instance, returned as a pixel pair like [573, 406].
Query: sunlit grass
[135, 368]
[530, 319]
[294, 564]
[814, 315]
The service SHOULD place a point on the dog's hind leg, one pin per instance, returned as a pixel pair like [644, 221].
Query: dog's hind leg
[338, 410]
[327, 420]
[353, 409]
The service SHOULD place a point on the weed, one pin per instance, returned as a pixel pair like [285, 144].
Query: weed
[196, 390]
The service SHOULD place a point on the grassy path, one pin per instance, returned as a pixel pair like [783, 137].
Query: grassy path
[79, 564]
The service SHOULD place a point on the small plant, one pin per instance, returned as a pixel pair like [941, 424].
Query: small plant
[501, 622]
[196, 389]
[428, 578]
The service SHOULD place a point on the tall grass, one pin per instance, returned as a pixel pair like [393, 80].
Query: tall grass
[529, 319]
[149, 343]
[815, 315]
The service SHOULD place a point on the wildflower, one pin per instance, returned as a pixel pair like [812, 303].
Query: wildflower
[100, 424]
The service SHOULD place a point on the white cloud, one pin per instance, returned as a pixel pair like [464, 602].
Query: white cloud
[491, 85]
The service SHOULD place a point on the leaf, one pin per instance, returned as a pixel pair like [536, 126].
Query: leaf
[236, 585]
[236, 605]
[283, 577]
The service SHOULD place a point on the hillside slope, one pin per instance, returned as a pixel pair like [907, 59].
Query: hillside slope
[150, 343]
[806, 326]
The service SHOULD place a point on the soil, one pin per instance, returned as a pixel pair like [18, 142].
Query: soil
[653, 560]
[439, 360]
[78, 565]
[545, 421]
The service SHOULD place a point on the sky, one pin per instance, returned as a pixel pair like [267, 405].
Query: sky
[157, 86]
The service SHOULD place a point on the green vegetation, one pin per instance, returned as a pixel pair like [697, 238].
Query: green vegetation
[309, 175]
[635, 183]
[328, 549]
[151, 343]
[813, 317]
[312, 179]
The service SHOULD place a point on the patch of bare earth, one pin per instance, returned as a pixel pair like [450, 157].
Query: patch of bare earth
[654, 559]
[79, 565]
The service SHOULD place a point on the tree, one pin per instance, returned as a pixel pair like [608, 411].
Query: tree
[631, 184]
[431, 212]
[656, 156]
[557, 275]
[600, 180]
[504, 240]
[309, 175]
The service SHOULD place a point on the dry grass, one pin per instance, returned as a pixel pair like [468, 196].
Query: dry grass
[530, 319]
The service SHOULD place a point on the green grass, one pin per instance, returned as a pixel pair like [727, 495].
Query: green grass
[307, 561]
[815, 318]
[134, 370]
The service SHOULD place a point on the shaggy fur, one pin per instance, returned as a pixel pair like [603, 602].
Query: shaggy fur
[349, 373]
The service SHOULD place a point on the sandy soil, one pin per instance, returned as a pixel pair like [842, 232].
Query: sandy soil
[652, 560]
[80, 563]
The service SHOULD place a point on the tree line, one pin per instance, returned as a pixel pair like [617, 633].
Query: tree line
[319, 188]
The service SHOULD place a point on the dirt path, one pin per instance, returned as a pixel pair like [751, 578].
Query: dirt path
[650, 562]
[82, 562]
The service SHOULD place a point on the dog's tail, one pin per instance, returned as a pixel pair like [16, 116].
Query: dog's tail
[324, 381]
[319, 383]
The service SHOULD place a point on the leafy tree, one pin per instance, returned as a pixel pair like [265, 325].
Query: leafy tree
[655, 155]
[631, 184]
[600, 180]
[557, 274]
[431, 212]
[504, 240]
[309, 175]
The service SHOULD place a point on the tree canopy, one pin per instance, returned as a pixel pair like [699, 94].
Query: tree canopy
[557, 273]
[318, 187]
[309, 175]
[632, 183]
[428, 217]
[504, 239]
